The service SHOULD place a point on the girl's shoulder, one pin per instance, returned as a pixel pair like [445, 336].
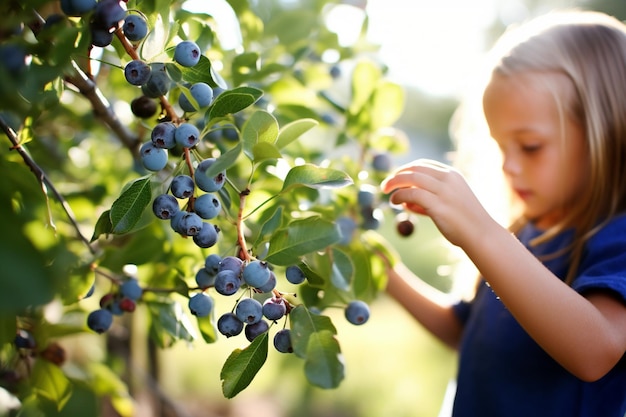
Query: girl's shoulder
[612, 232]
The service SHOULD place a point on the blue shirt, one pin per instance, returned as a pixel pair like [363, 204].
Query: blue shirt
[504, 373]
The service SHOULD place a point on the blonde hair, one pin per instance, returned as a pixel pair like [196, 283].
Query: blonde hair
[589, 49]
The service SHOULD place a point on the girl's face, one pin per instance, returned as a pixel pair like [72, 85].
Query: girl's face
[544, 151]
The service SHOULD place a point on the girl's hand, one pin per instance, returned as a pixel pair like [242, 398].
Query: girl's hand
[440, 192]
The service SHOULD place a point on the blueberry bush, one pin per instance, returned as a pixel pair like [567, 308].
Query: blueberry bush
[147, 166]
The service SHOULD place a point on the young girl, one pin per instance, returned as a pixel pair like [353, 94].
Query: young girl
[545, 334]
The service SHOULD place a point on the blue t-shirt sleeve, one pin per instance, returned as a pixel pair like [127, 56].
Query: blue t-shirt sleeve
[603, 266]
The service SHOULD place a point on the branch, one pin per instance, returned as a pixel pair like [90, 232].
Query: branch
[44, 181]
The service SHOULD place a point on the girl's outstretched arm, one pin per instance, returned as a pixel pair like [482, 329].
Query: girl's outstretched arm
[585, 334]
[426, 304]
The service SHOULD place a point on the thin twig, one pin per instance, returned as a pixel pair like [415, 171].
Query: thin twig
[44, 180]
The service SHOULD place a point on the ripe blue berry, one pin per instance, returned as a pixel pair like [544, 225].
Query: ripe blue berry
[77, 7]
[294, 274]
[227, 282]
[187, 135]
[269, 285]
[206, 183]
[100, 37]
[229, 325]
[357, 312]
[189, 224]
[135, 27]
[131, 289]
[108, 14]
[204, 278]
[153, 158]
[256, 273]
[158, 83]
[163, 135]
[202, 93]
[182, 186]
[366, 196]
[231, 263]
[256, 329]
[13, 58]
[24, 340]
[207, 206]
[207, 236]
[200, 305]
[282, 341]
[249, 310]
[274, 308]
[212, 263]
[382, 162]
[187, 53]
[100, 320]
[165, 206]
[137, 72]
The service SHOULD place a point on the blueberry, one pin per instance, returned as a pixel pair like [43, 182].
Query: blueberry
[77, 7]
[175, 221]
[274, 308]
[190, 224]
[294, 274]
[200, 305]
[137, 72]
[165, 206]
[382, 162]
[158, 83]
[366, 196]
[282, 341]
[269, 285]
[229, 325]
[207, 236]
[207, 206]
[187, 53]
[357, 312]
[212, 263]
[143, 107]
[13, 58]
[163, 135]
[256, 329]
[187, 135]
[107, 15]
[202, 93]
[204, 278]
[249, 310]
[131, 289]
[256, 273]
[346, 226]
[153, 158]
[206, 183]
[135, 27]
[101, 37]
[182, 186]
[231, 263]
[227, 282]
[100, 320]
[24, 340]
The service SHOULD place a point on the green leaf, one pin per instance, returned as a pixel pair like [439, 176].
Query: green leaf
[242, 366]
[292, 131]
[324, 366]
[365, 78]
[233, 101]
[207, 329]
[169, 319]
[202, 72]
[152, 47]
[8, 328]
[301, 237]
[387, 105]
[103, 226]
[303, 324]
[128, 208]
[270, 226]
[263, 151]
[225, 161]
[342, 270]
[312, 176]
[260, 128]
[49, 382]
